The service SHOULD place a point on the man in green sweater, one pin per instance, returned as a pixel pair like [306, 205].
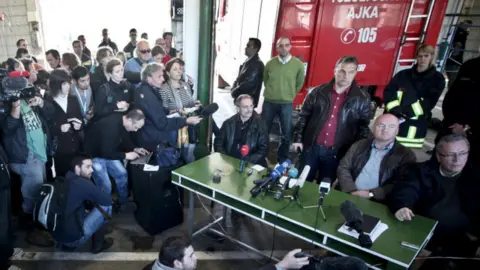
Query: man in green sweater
[283, 77]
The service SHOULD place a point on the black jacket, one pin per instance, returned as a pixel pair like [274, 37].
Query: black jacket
[97, 79]
[15, 137]
[357, 157]
[158, 128]
[420, 190]
[425, 87]
[250, 79]
[110, 44]
[79, 190]
[460, 104]
[107, 138]
[353, 120]
[108, 95]
[66, 142]
[257, 138]
[4, 171]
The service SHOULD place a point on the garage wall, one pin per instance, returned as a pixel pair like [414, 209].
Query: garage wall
[20, 20]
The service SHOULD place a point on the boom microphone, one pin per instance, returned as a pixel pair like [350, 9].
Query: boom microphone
[354, 219]
[209, 110]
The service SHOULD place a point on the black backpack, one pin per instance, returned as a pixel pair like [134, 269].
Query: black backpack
[49, 208]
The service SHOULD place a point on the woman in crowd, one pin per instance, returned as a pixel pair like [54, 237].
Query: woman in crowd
[13, 64]
[99, 76]
[115, 95]
[70, 61]
[177, 98]
[66, 126]
[158, 54]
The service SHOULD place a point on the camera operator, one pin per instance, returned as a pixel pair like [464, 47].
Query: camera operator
[26, 141]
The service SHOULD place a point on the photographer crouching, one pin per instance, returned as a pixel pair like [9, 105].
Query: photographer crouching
[26, 143]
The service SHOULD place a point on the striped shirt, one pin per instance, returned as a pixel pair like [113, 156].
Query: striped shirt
[168, 96]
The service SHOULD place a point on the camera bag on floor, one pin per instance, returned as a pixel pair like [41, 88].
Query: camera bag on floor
[158, 200]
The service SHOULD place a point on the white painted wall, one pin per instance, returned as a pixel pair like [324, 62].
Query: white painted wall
[191, 27]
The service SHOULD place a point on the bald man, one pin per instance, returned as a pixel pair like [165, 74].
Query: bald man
[142, 58]
[367, 168]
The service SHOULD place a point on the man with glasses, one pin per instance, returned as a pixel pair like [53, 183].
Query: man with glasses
[144, 56]
[333, 117]
[368, 168]
[283, 77]
[130, 48]
[446, 191]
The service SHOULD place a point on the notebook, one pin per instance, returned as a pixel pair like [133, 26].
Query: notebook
[371, 226]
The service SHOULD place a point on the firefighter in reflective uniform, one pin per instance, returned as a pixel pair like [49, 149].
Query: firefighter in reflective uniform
[412, 94]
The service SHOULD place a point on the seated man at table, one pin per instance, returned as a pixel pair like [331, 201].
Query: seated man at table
[244, 128]
[447, 191]
[367, 168]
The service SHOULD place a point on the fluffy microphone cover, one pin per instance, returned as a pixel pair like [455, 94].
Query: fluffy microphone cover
[15, 83]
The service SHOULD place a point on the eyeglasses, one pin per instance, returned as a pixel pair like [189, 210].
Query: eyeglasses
[146, 51]
[452, 156]
[283, 45]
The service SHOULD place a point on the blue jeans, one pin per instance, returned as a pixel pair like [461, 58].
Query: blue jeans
[321, 159]
[284, 112]
[102, 168]
[32, 175]
[91, 224]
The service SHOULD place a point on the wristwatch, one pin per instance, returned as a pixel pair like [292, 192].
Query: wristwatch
[370, 194]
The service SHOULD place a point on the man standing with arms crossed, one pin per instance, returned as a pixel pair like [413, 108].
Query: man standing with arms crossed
[283, 77]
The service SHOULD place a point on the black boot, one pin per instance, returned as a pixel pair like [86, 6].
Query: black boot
[99, 242]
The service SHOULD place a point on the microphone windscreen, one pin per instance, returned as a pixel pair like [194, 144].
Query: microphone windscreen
[244, 150]
[293, 173]
[350, 212]
[341, 263]
[14, 83]
[209, 110]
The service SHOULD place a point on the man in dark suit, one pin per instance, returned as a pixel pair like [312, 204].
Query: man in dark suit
[250, 74]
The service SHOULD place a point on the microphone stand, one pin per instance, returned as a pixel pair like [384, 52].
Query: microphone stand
[319, 204]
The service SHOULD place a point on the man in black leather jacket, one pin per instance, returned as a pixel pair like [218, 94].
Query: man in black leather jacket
[250, 74]
[333, 117]
[244, 128]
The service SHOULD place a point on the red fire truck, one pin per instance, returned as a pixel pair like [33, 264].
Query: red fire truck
[382, 34]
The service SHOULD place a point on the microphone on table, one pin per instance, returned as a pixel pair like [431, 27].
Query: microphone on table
[354, 219]
[301, 181]
[244, 152]
[324, 189]
[274, 175]
[292, 173]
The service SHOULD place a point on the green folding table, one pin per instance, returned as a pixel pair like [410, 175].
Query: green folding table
[234, 192]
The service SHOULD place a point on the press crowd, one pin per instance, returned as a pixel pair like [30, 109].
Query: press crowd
[91, 114]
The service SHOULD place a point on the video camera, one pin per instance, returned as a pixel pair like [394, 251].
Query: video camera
[14, 86]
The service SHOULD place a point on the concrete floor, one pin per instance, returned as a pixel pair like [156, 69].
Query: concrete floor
[134, 248]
